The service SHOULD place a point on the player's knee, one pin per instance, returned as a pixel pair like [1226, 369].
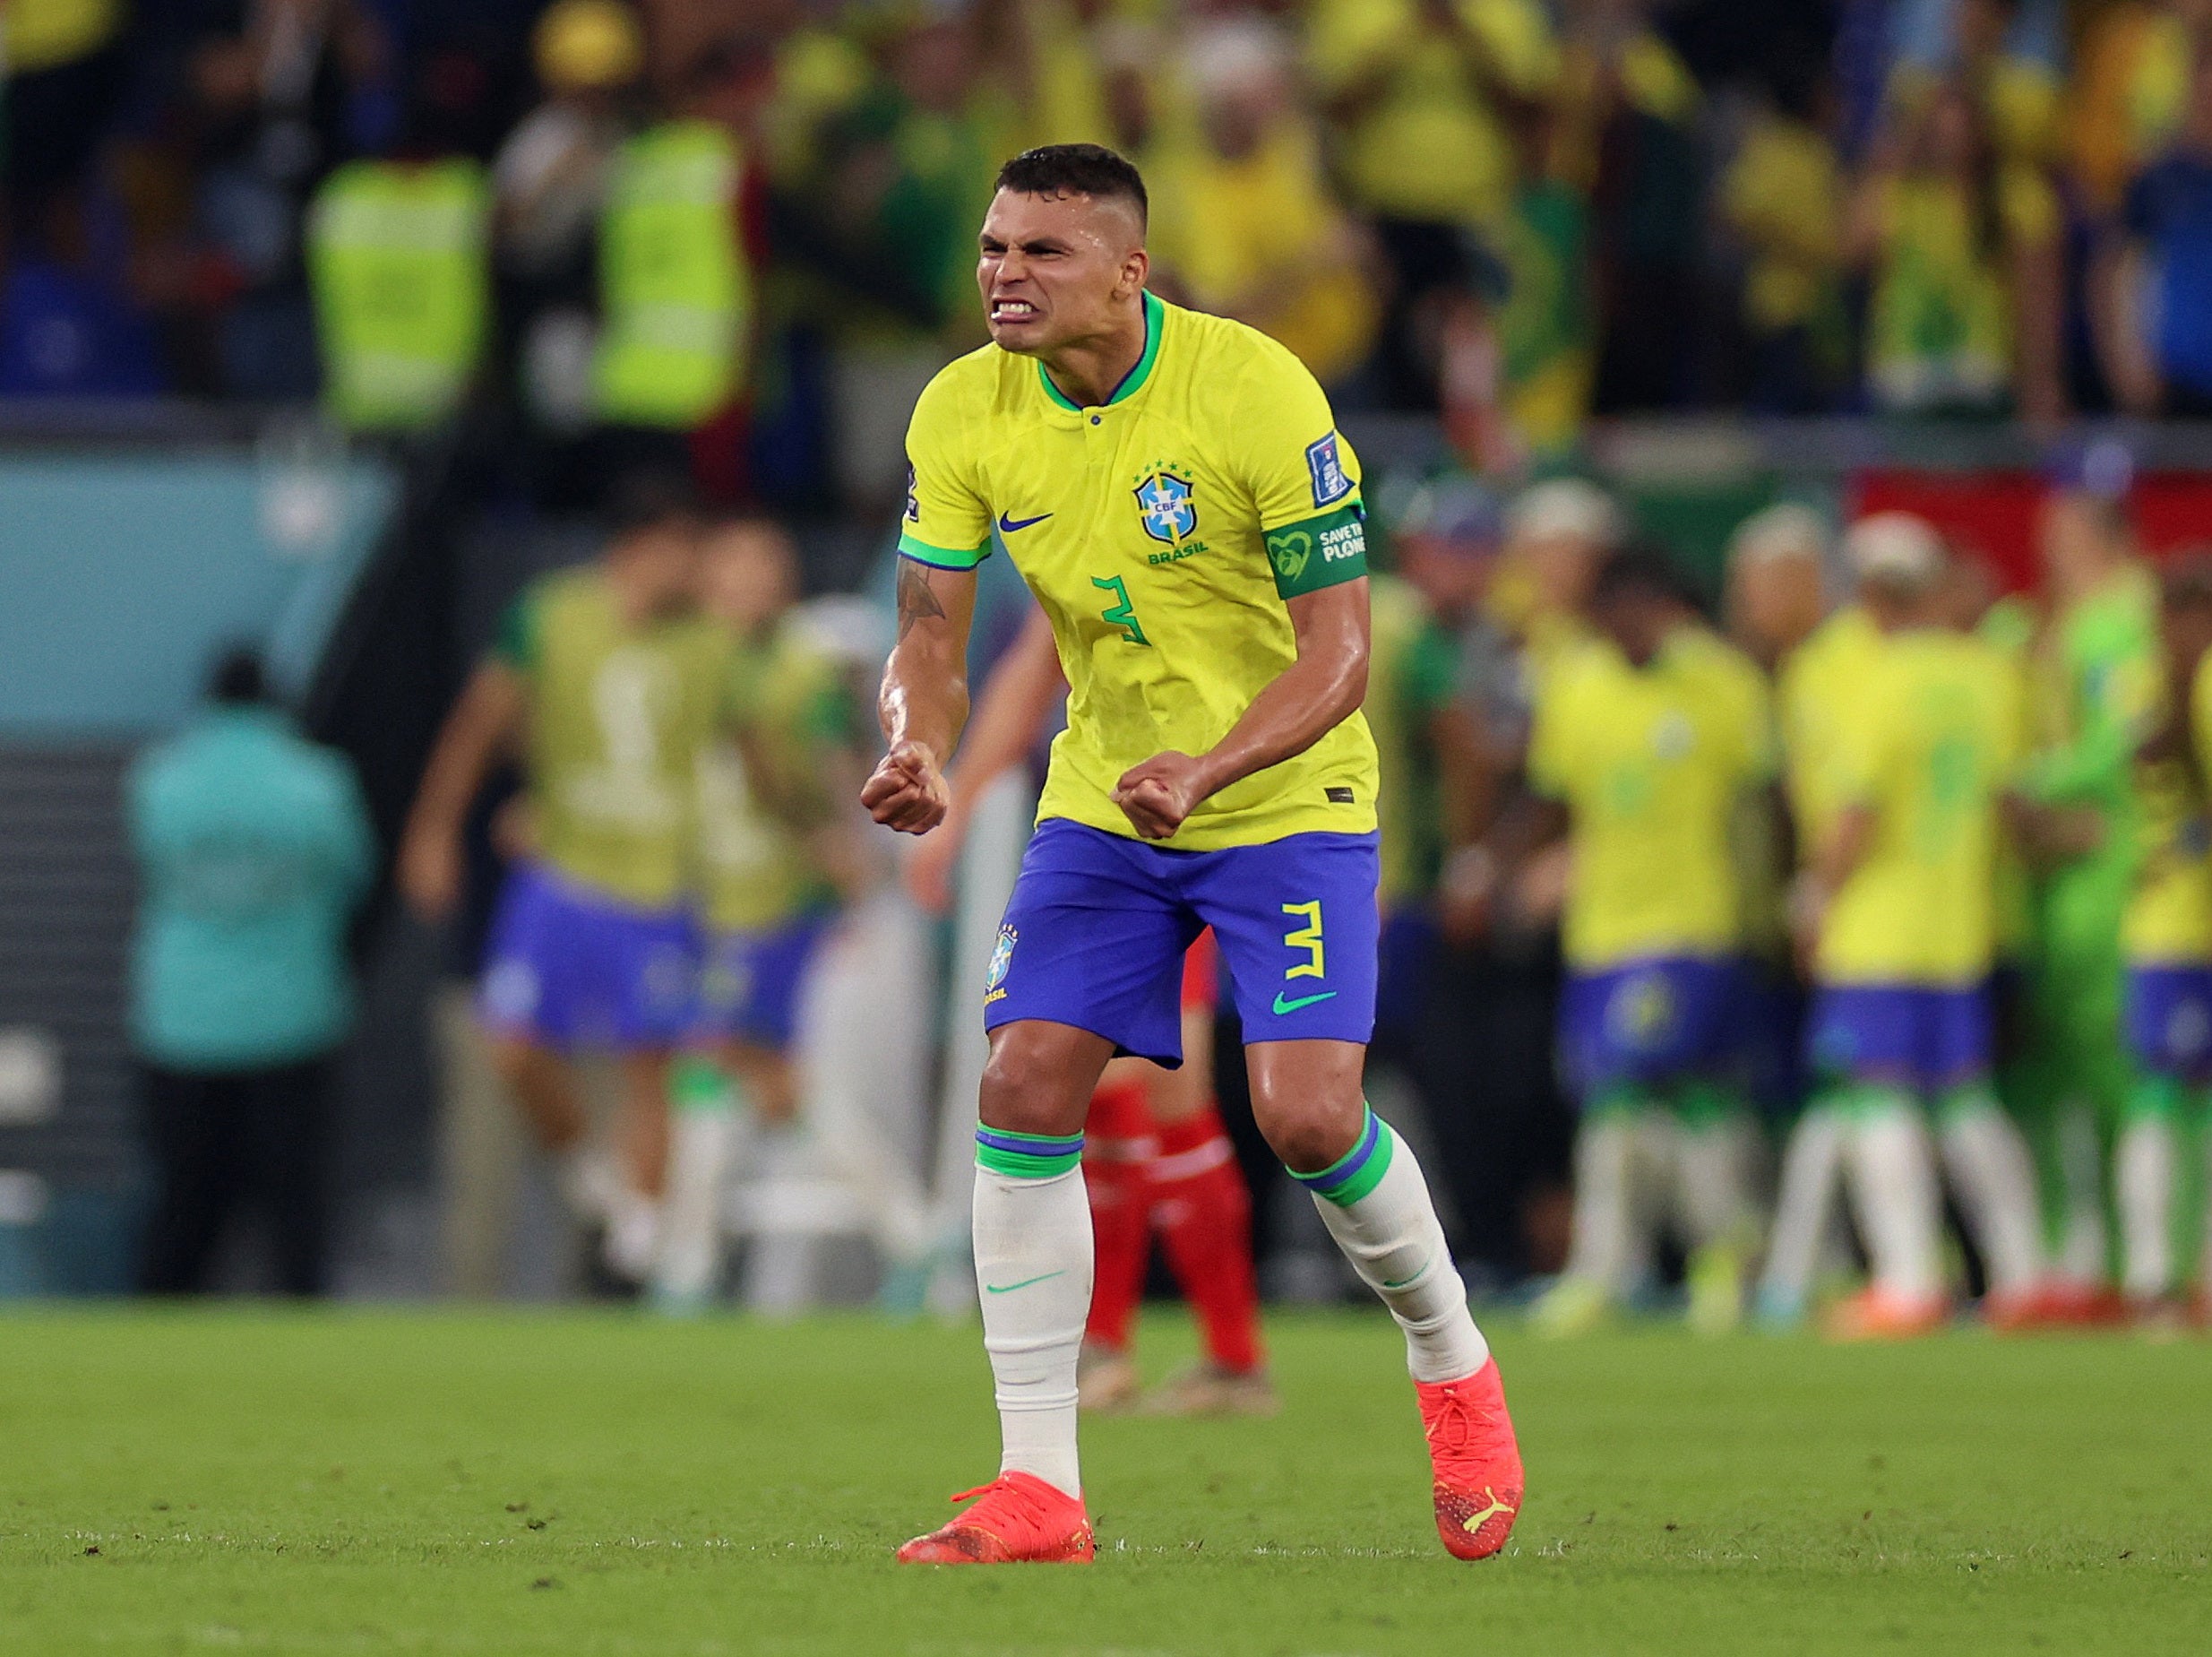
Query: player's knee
[1310, 1134]
[516, 1062]
[1307, 1100]
[1029, 1087]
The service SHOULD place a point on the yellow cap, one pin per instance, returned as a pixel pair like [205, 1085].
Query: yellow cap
[585, 44]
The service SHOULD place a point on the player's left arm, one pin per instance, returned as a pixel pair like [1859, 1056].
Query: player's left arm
[1283, 444]
[1298, 707]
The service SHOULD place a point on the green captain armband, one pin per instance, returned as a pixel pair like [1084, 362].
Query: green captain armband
[1319, 552]
[942, 557]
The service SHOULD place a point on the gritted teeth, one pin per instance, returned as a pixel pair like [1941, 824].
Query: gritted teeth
[1012, 307]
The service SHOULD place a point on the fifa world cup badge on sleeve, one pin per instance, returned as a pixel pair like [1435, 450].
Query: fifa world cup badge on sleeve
[1002, 958]
[1326, 467]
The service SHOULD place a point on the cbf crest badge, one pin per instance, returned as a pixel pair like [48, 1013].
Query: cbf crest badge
[1165, 506]
[1002, 958]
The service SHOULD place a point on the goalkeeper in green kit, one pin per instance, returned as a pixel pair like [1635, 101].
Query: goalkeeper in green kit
[2095, 684]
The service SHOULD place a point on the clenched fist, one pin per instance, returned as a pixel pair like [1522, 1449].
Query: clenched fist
[906, 792]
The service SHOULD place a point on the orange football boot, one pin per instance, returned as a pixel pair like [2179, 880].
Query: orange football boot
[1877, 1314]
[1476, 1461]
[1020, 1520]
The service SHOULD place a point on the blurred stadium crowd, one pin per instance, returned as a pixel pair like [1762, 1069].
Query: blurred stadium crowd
[749, 220]
[684, 266]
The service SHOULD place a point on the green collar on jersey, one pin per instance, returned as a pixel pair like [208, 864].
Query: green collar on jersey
[1155, 313]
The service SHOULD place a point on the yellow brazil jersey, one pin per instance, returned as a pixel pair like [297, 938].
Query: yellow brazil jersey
[783, 716]
[1931, 750]
[618, 715]
[1727, 674]
[1818, 700]
[2169, 918]
[1163, 532]
[2009, 629]
[1651, 765]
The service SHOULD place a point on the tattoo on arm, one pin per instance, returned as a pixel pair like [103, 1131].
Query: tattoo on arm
[917, 601]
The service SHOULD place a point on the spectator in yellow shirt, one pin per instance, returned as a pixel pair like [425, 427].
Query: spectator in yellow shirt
[1419, 94]
[1783, 196]
[1963, 250]
[1244, 221]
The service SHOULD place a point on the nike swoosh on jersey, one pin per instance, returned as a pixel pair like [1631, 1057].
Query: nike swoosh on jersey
[1007, 1289]
[1007, 525]
[1283, 1006]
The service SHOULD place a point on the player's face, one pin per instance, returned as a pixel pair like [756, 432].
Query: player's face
[746, 576]
[1053, 268]
[659, 562]
[1636, 622]
[1778, 599]
[2072, 541]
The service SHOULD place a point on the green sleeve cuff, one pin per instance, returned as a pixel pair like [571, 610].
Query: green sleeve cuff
[942, 557]
[515, 640]
[1319, 552]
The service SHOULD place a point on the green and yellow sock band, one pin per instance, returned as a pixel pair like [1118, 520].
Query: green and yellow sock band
[1027, 1156]
[1358, 1170]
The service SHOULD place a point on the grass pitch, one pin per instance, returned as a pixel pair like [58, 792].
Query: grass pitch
[471, 1482]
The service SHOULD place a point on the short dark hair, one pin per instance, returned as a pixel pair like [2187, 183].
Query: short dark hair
[1639, 570]
[644, 498]
[1075, 169]
[2186, 583]
[238, 679]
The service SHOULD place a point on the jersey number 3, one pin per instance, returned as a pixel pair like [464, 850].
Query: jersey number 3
[1120, 614]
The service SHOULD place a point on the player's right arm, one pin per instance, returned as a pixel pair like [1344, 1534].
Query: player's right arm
[483, 722]
[945, 534]
[923, 701]
[1016, 700]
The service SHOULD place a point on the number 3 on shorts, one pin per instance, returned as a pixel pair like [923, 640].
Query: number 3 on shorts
[1307, 938]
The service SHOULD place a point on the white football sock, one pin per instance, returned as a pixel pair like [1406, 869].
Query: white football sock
[632, 1238]
[2085, 1253]
[1033, 1268]
[2144, 1176]
[1892, 1178]
[1811, 1167]
[590, 1184]
[1712, 1171]
[1995, 1182]
[1605, 1246]
[712, 1122]
[1391, 1234]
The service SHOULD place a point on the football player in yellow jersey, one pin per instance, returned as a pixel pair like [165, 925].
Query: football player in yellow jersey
[1644, 743]
[605, 677]
[1777, 598]
[2168, 938]
[778, 853]
[1897, 917]
[1171, 487]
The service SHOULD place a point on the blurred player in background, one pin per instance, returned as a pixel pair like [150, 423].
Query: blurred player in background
[1173, 488]
[772, 786]
[1894, 918]
[606, 680]
[1155, 1158]
[1642, 748]
[2167, 937]
[1777, 590]
[2095, 679]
